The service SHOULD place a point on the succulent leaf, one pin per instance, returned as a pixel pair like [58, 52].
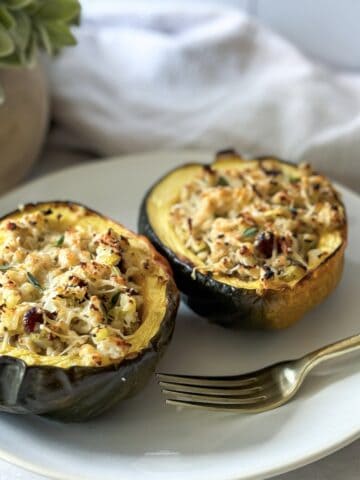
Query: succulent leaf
[22, 31]
[43, 38]
[64, 10]
[12, 60]
[7, 46]
[29, 25]
[60, 34]
[6, 18]
[17, 4]
[31, 51]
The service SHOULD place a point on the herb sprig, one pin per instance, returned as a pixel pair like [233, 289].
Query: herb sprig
[34, 281]
[249, 232]
[223, 182]
[114, 299]
[60, 241]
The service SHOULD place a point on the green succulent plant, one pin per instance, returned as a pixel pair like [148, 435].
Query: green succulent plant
[27, 26]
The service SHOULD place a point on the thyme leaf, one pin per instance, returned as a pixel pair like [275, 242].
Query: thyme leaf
[33, 281]
[294, 179]
[249, 232]
[60, 241]
[222, 182]
[114, 299]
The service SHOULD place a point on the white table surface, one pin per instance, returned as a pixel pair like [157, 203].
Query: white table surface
[309, 25]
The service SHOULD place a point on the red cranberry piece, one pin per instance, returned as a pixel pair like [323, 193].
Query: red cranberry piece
[264, 243]
[31, 318]
[11, 226]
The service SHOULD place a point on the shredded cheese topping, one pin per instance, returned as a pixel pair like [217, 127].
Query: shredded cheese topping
[259, 223]
[66, 292]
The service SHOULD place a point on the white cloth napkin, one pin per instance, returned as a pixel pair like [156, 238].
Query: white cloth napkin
[151, 76]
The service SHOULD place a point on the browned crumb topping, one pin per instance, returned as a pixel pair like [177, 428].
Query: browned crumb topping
[257, 223]
[66, 292]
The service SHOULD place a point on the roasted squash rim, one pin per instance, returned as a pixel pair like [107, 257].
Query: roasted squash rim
[203, 276]
[171, 291]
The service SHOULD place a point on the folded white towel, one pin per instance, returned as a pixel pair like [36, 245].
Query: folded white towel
[148, 76]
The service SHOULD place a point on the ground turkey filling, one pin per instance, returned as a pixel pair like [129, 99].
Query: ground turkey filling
[259, 223]
[66, 292]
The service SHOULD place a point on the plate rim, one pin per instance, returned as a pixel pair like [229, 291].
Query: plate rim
[266, 474]
[200, 153]
[200, 156]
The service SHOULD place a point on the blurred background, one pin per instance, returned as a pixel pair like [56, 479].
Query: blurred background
[262, 76]
[325, 30]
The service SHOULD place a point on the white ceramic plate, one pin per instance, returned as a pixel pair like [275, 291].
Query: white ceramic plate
[144, 439]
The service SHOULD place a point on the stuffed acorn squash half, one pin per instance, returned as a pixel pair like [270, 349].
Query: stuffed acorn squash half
[86, 309]
[252, 242]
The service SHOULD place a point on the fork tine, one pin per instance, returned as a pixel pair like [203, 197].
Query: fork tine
[219, 400]
[216, 407]
[216, 391]
[200, 380]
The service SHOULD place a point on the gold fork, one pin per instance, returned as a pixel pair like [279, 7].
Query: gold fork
[253, 392]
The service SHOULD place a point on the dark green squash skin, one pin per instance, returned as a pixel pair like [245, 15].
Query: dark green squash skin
[80, 393]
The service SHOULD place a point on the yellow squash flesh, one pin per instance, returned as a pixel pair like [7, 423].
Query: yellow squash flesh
[153, 284]
[275, 308]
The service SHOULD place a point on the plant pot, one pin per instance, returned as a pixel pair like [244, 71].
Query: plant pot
[24, 117]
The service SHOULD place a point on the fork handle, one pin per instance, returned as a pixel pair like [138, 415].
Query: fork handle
[333, 350]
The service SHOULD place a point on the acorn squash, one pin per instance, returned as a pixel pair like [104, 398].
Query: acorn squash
[252, 242]
[86, 310]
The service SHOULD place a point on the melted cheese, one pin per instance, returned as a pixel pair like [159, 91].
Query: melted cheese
[66, 292]
[262, 223]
